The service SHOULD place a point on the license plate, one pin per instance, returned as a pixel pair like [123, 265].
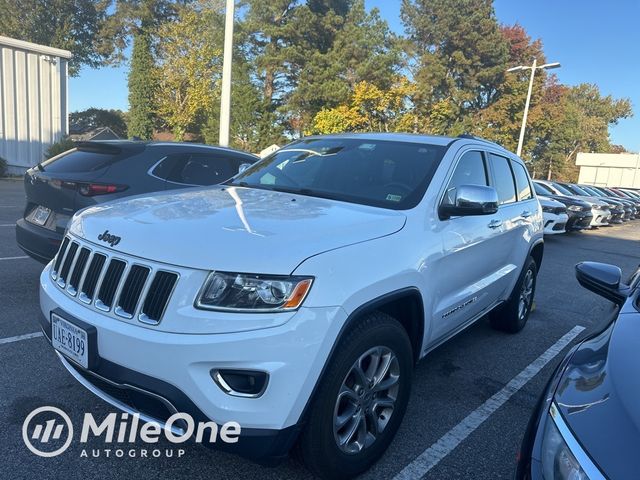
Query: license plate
[70, 340]
[40, 215]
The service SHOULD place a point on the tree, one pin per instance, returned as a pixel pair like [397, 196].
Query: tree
[371, 109]
[142, 88]
[190, 66]
[270, 33]
[501, 121]
[248, 118]
[573, 119]
[92, 118]
[76, 26]
[341, 46]
[458, 57]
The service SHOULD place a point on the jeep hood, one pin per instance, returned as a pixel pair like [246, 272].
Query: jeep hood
[232, 228]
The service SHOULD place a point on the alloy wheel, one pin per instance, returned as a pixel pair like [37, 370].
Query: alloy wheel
[526, 295]
[366, 400]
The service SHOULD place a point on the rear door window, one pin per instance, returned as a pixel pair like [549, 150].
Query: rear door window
[203, 169]
[522, 181]
[503, 178]
[165, 167]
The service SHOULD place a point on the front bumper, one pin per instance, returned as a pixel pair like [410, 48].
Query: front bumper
[600, 217]
[177, 366]
[555, 223]
[579, 220]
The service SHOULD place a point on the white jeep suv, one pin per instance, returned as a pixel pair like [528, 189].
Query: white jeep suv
[296, 298]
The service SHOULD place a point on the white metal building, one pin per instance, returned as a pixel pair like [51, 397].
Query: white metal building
[33, 101]
[609, 169]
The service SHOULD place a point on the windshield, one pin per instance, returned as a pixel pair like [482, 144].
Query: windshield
[592, 191]
[598, 191]
[381, 173]
[578, 190]
[542, 189]
[562, 189]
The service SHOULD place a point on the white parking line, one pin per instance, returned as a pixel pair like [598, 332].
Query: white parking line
[13, 258]
[454, 437]
[8, 225]
[17, 338]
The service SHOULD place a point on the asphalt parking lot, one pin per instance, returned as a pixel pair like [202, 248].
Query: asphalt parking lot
[449, 431]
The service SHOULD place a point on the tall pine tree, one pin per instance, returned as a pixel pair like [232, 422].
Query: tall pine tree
[142, 88]
[459, 58]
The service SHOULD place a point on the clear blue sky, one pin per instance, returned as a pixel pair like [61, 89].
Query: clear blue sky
[596, 42]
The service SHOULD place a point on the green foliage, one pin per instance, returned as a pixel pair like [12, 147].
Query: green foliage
[190, 67]
[326, 66]
[460, 56]
[371, 109]
[3, 167]
[59, 147]
[142, 88]
[341, 45]
[76, 26]
[248, 117]
[92, 118]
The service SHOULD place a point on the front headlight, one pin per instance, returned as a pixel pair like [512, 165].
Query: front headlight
[253, 293]
[558, 463]
[574, 208]
[548, 209]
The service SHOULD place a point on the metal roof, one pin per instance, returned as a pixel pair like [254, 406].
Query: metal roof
[34, 47]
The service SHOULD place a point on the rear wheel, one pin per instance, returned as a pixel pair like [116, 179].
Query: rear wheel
[361, 400]
[513, 315]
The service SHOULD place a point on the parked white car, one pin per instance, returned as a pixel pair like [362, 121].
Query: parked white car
[295, 298]
[599, 209]
[554, 214]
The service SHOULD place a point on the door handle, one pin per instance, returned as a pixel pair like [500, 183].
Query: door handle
[495, 223]
[526, 214]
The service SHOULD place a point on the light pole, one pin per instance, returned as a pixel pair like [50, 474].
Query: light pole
[533, 69]
[225, 97]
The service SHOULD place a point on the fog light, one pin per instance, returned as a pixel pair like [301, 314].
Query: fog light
[241, 383]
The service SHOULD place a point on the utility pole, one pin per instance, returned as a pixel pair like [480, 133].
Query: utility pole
[225, 97]
[533, 69]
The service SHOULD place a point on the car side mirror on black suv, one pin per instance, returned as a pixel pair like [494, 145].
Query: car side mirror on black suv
[467, 200]
[603, 279]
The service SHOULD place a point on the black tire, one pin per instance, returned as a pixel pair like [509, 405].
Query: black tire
[509, 317]
[318, 443]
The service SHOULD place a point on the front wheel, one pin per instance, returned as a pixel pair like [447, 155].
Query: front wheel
[513, 315]
[361, 399]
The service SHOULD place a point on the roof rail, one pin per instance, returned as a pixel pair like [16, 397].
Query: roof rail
[480, 139]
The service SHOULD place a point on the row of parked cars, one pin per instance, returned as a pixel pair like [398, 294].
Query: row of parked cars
[294, 294]
[569, 207]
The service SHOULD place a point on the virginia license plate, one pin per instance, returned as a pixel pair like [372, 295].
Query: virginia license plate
[70, 340]
[40, 215]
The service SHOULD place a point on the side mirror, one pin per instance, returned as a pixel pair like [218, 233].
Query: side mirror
[243, 167]
[603, 279]
[469, 200]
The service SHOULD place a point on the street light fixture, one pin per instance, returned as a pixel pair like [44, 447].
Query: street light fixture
[533, 68]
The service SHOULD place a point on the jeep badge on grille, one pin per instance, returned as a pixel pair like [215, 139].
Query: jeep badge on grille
[106, 237]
